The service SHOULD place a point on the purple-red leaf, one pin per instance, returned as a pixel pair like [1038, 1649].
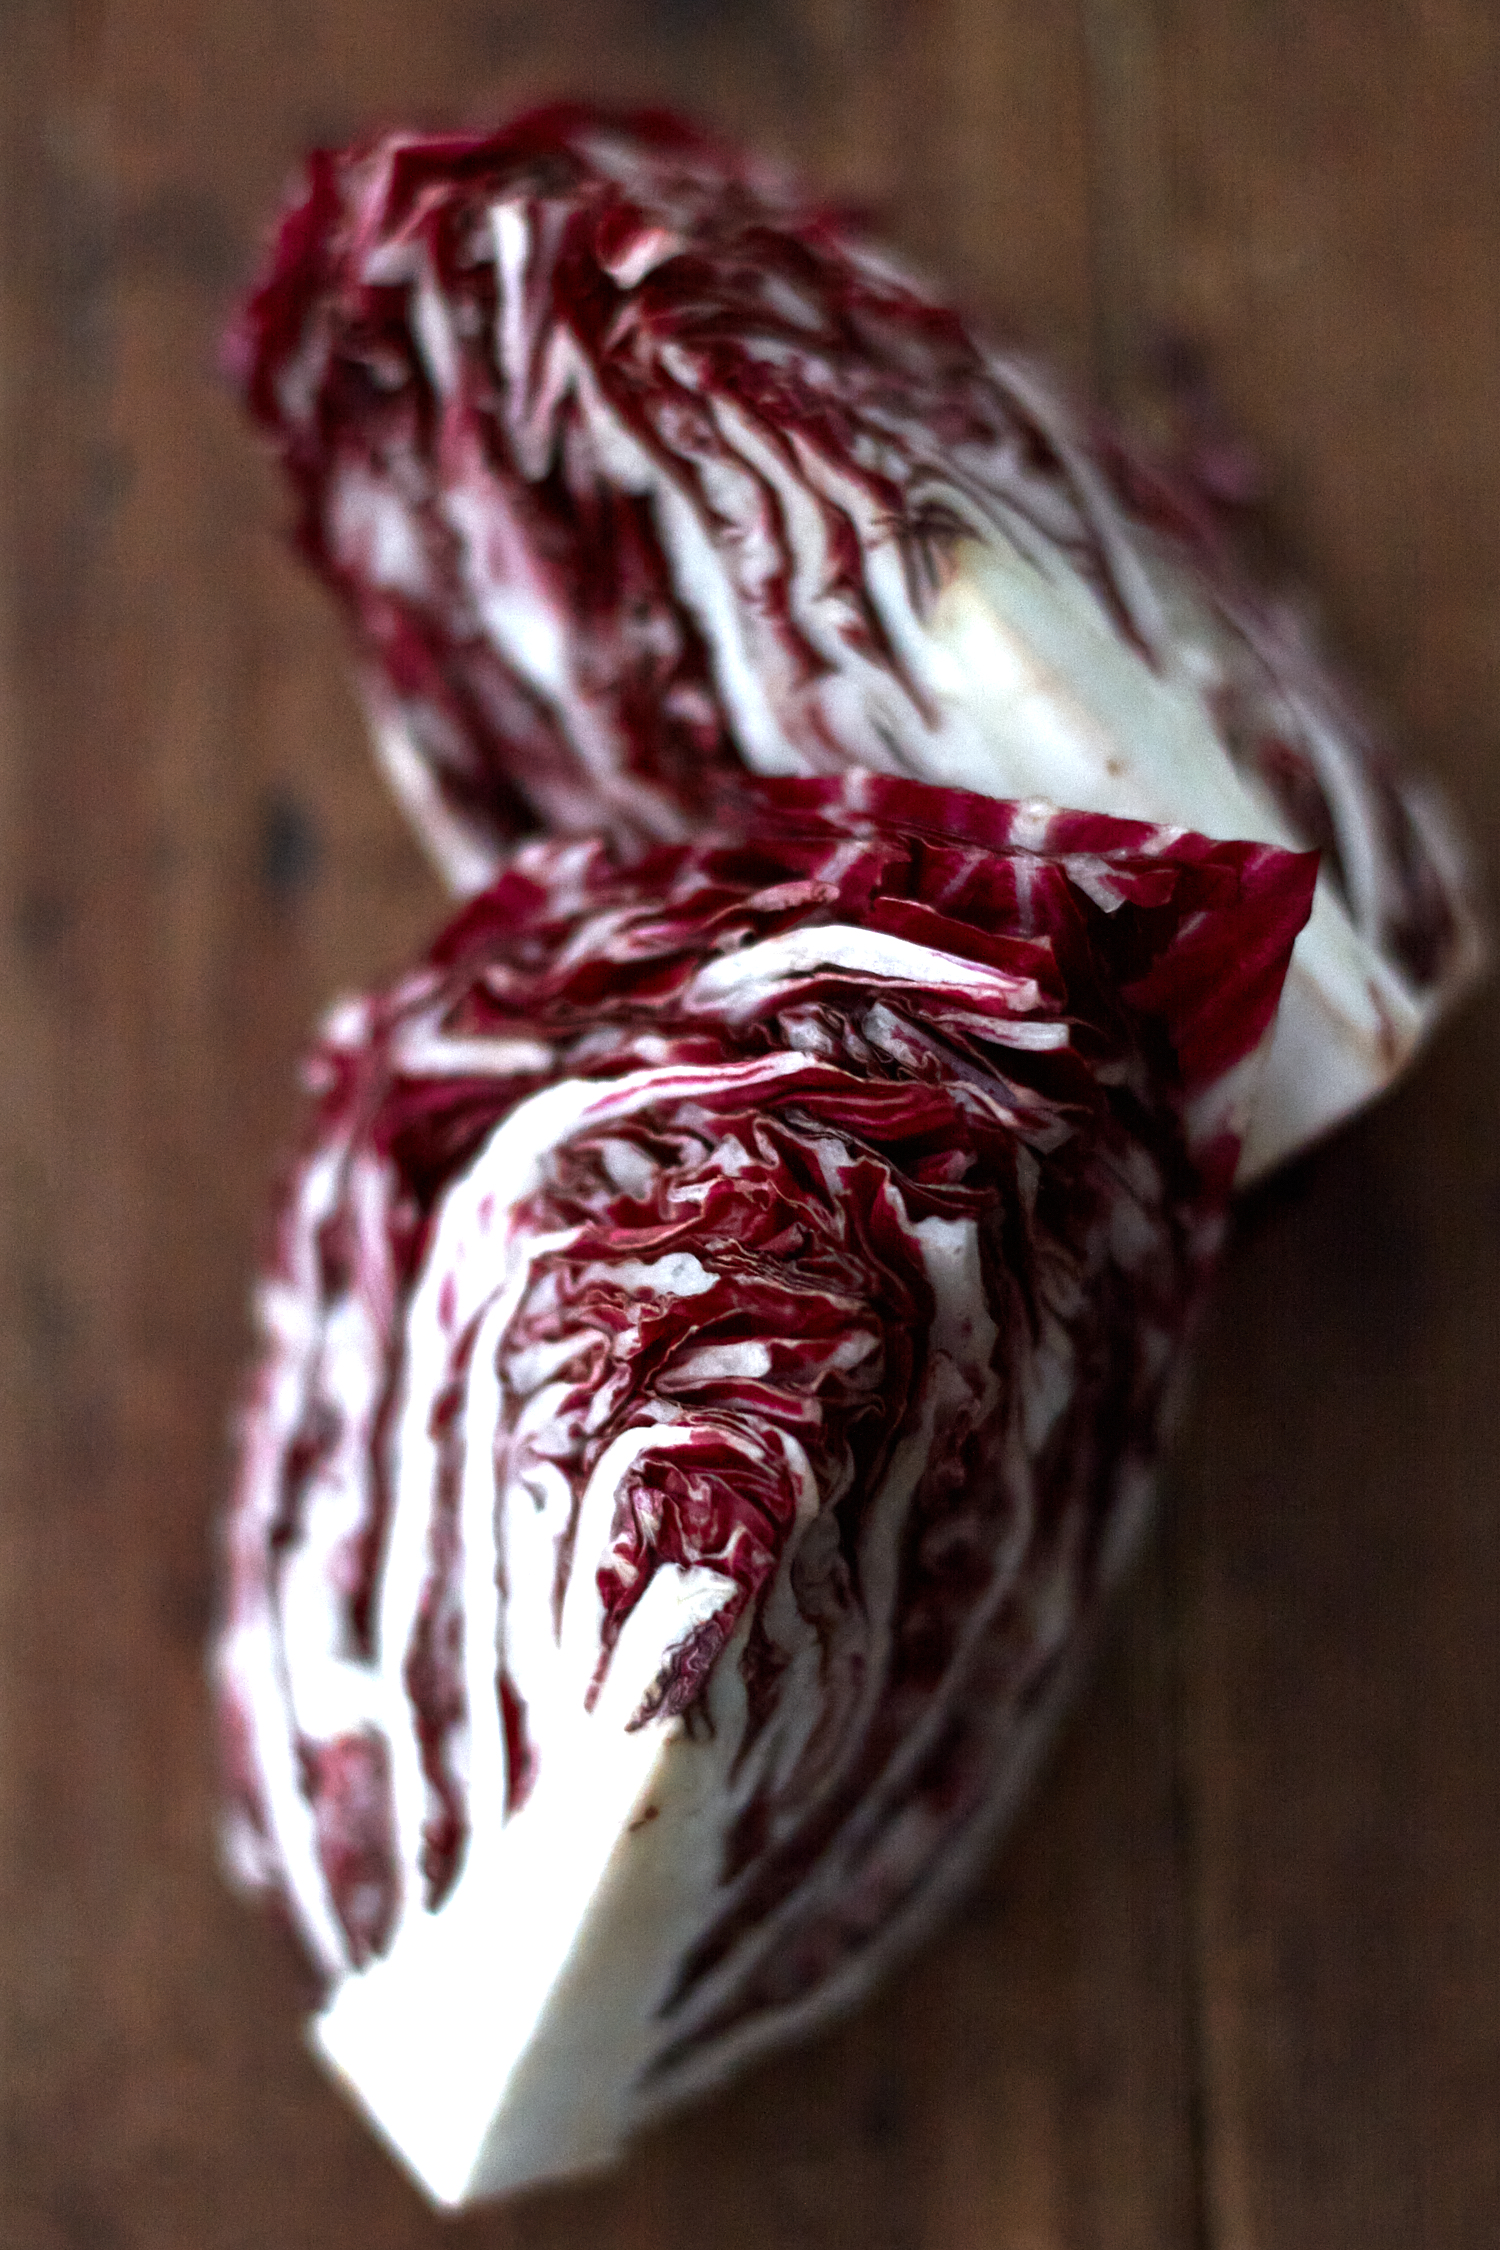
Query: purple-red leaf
[718, 1336]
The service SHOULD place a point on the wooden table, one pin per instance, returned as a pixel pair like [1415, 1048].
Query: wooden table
[1235, 1982]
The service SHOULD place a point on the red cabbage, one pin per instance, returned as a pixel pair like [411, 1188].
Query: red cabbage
[636, 469]
[713, 1362]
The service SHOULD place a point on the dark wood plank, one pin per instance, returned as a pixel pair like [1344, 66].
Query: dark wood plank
[1333, 213]
[196, 856]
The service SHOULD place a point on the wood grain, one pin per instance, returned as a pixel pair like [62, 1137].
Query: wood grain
[1235, 1982]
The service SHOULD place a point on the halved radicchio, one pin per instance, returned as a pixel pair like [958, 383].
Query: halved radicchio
[635, 470]
[713, 1360]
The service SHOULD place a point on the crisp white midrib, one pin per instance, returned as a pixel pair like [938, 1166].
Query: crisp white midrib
[736, 982]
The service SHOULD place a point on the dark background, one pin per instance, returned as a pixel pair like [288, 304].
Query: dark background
[1235, 1982]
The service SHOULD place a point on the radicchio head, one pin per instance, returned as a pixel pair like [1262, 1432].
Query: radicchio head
[636, 469]
[714, 1357]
